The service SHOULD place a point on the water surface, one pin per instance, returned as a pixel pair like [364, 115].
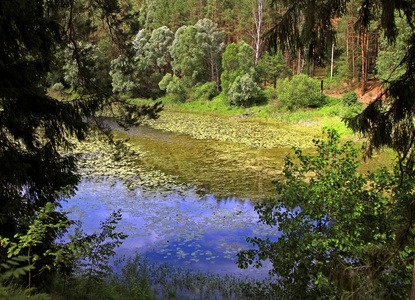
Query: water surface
[203, 226]
[198, 232]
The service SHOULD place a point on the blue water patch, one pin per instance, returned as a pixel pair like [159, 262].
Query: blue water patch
[186, 229]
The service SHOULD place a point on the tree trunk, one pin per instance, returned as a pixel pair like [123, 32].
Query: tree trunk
[347, 41]
[217, 78]
[353, 49]
[299, 62]
[212, 67]
[376, 46]
[353, 59]
[313, 67]
[257, 34]
[367, 56]
[332, 60]
[364, 76]
[293, 63]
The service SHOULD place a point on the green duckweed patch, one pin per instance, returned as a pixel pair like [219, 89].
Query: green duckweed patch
[238, 129]
[224, 168]
[99, 160]
[227, 156]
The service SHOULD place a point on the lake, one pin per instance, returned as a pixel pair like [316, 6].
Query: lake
[200, 214]
[185, 229]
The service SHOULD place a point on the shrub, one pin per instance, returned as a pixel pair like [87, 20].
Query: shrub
[205, 91]
[353, 110]
[165, 81]
[349, 98]
[57, 87]
[243, 91]
[299, 92]
[174, 87]
[236, 62]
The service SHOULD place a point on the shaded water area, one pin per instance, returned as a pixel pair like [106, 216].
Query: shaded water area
[225, 169]
[200, 217]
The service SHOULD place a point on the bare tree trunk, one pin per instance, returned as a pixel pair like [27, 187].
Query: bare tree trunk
[376, 46]
[367, 56]
[257, 34]
[313, 67]
[353, 50]
[332, 61]
[347, 41]
[353, 59]
[299, 62]
[364, 76]
[293, 63]
[348, 53]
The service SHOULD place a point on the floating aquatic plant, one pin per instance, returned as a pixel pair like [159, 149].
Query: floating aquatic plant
[236, 130]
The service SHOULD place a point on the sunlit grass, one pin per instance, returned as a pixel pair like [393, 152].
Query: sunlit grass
[330, 115]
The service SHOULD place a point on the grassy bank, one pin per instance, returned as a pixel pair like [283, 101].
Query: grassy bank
[330, 115]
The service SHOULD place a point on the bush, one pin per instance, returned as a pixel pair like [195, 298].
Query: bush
[236, 62]
[349, 98]
[57, 87]
[165, 81]
[174, 87]
[271, 94]
[205, 91]
[243, 91]
[346, 223]
[299, 92]
[353, 110]
[122, 75]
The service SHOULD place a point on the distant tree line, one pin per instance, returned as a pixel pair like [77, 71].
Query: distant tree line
[187, 39]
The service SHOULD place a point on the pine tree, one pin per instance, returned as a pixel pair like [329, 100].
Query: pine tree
[36, 128]
[305, 25]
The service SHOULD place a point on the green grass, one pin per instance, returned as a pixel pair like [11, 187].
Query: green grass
[338, 124]
[329, 115]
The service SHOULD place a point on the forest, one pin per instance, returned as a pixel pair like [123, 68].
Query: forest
[203, 43]
[67, 67]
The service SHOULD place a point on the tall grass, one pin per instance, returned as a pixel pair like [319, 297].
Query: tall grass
[138, 279]
[168, 282]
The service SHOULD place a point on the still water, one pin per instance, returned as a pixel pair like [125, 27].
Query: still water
[203, 226]
[185, 229]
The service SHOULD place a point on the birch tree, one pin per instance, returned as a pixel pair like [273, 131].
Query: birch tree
[257, 32]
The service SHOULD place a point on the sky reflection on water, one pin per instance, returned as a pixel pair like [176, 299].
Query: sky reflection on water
[184, 229]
